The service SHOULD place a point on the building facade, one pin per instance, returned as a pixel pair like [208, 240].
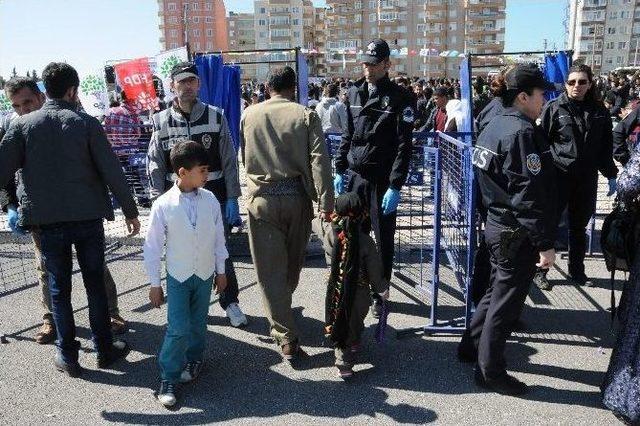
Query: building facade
[604, 34]
[201, 24]
[428, 35]
[242, 37]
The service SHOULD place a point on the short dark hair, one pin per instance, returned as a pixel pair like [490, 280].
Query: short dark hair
[59, 77]
[331, 90]
[15, 84]
[188, 154]
[509, 96]
[282, 78]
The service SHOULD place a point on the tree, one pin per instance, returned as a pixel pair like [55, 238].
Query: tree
[34, 75]
[2, 82]
[28, 76]
[14, 73]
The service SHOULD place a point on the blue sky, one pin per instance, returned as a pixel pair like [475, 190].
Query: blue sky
[86, 33]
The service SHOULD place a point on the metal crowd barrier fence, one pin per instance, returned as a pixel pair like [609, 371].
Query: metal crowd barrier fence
[436, 216]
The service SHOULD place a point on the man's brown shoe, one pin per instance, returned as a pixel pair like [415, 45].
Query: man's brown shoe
[118, 325]
[47, 334]
[290, 350]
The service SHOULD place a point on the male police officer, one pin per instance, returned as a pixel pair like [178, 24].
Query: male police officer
[190, 119]
[515, 175]
[376, 148]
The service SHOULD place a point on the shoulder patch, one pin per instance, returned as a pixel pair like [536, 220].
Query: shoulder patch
[534, 164]
[407, 115]
[481, 158]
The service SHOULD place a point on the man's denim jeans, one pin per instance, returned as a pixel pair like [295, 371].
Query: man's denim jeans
[88, 239]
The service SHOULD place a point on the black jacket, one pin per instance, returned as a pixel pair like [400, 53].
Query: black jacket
[67, 165]
[516, 176]
[488, 113]
[621, 133]
[377, 144]
[580, 142]
[8, 194]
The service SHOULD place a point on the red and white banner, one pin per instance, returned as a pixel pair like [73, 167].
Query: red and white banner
[136, 80]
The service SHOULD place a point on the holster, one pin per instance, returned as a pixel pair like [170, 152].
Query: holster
[511, 240]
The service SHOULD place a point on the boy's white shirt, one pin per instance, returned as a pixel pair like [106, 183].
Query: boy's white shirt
[191, 250]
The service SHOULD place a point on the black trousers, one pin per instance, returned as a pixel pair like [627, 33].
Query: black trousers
[577, 192]
[501, 305]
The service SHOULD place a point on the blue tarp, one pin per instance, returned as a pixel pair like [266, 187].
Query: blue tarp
[220, 86]
[556, 70]
[303, 79]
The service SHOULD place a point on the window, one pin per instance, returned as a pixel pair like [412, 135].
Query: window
[208, 6]
[611, 30]
[210, 32]
[171, 6]
[209, 20]
[453, 26]
[619, 60]
[613, 15]
[262, 35]
[195, 19]
[421, 28]
[609, 45]
[624, 29]
[388, 16]
[263, 10]
[402, 29]
[173, 19]
[373, 4]
[608, 60]
[197, 45]
[296, 21]
[209, 46]
[296, 34]
[262, 22]
[173, 46]
[231, 33]
[295, 9]
[195, 6]
[280, 32]
[453, 13]
[622, 45]
[373, 31]
[402, 42]
[373, 17]
[196, 33]
[387, 30]
[279, 20]
[453, 39]
[597, 60]
[357, 18]
[173, 33]
[357, 5]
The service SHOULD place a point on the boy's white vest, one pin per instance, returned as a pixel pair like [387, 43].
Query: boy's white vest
[191, 251]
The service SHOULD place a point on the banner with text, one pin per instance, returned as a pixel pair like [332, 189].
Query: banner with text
[136, 81]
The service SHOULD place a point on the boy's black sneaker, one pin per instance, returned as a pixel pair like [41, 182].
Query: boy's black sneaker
[167, 393]
[191, 371]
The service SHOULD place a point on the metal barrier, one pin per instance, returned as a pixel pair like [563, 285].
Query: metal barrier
[458, 217]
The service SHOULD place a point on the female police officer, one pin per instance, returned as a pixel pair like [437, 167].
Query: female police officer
[579, 130]
[515, 175]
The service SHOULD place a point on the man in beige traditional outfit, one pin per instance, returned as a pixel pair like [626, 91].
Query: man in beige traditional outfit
[287, 168]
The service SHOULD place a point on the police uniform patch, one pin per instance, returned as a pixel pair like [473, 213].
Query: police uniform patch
[206, 141]
[407, 115]
[385, 102]
[534, 164]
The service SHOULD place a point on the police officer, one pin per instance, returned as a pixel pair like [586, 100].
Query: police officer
[580, 132]
[376, 148]
[190, 119]
[515, 174]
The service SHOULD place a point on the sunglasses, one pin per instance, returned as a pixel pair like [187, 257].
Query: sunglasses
[580, 82]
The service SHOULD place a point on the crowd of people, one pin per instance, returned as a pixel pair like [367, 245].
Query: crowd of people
[534, 160]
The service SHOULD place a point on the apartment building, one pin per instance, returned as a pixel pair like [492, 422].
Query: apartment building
[202, 24]
[242, 36]
[604, 33]
[417, 30]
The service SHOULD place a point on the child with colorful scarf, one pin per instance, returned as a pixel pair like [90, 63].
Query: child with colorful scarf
[356, 271]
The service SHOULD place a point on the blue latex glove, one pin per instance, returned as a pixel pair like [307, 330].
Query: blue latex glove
[338, 184]
[390, 201]
[12, 214]
[613, 187]
[232, 212]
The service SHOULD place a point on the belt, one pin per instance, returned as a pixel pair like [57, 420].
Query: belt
[287, 186]
[211, 176]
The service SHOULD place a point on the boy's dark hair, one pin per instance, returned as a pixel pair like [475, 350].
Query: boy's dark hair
[188, 154]
[58, 77]
[15, 84]
[282, 78]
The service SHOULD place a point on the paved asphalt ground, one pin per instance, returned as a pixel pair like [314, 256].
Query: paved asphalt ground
[562, 354]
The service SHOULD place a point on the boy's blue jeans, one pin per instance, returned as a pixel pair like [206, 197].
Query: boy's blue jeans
[184, 341]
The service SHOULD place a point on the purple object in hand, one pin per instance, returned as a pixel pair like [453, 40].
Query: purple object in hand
[382, 323]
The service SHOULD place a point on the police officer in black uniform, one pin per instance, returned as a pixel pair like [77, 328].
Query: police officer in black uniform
[515, 174]
[376, 148]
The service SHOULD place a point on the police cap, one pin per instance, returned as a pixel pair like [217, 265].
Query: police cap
[526, 76]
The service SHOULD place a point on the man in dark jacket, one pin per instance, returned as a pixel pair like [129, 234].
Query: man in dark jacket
[67, 168]
[376, 148]
[629, 126]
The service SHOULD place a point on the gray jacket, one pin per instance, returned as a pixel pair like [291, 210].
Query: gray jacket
[67, 165]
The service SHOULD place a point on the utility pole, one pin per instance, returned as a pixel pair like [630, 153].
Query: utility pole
[544, 42]
[185, 26]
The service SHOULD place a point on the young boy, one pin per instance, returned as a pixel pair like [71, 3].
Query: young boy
[356, 270]
[188, 219]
